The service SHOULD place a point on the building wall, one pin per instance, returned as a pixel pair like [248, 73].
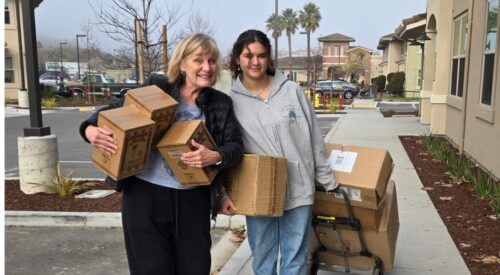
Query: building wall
[331, 56]
[413, 65]
[482, 125]
[375, 61]
[395, 57]
[12, 50]
[474, 127]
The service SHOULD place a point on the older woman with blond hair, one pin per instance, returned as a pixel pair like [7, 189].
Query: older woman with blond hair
[167, 225]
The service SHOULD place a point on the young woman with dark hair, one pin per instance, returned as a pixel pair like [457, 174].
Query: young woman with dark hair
[277, 119]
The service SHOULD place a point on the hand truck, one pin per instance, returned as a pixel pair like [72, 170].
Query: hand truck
[341, 222]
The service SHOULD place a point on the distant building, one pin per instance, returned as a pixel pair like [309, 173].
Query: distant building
[338, 53]
[12, 60]
[299, 68]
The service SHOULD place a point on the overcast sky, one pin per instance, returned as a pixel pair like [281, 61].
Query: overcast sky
[364, 20]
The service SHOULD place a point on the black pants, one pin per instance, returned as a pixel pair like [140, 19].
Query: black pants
[167, 231]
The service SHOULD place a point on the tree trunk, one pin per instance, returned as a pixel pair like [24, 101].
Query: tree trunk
[290, 54]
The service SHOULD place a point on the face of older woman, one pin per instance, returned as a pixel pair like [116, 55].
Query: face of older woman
[200, 68]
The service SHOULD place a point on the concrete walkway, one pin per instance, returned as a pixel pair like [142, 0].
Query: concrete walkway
[424, 245]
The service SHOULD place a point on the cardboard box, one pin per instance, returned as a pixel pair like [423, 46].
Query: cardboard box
[133, 133]
[258, 185]
[156, 105]
[176, 141]
[366, 182]
[381, 243]
[326, 204]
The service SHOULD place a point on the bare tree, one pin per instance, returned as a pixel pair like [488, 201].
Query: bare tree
[197, 24]
[116, 18]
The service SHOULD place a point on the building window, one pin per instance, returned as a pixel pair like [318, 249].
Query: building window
[458, 59]
[9, 70]
[7, 13]
[490, 45]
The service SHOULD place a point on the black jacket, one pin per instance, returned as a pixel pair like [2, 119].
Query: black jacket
[219, 120]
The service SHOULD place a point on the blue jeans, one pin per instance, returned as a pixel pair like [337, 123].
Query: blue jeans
[288, 234]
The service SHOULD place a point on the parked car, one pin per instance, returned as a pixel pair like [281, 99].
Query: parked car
[111, 80]
[100, 86]
[337, 87]
[131, 80]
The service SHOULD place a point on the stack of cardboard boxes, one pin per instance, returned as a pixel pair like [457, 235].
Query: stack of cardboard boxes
[364, 174]
[147, 113]
[144, 122]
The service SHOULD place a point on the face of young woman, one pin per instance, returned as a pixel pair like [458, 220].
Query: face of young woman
[254, 61]
[200, 68]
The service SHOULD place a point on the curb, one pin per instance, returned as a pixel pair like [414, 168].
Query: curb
[93, 219]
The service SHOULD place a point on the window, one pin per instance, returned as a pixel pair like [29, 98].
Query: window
[7, 13]
[9, 70]
[490, 45]
[458, 55]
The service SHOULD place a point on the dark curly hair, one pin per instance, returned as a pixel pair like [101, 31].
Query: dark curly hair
[248, 37]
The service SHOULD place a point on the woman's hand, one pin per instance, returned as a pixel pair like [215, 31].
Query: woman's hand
[227, 207]
[102, 139]
[201, 157]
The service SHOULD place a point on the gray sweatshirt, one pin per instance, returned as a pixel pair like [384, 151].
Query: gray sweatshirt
[285, 125]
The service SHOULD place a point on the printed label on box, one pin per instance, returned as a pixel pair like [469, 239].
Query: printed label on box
[342, 161]
[175, 154]
[353, 194]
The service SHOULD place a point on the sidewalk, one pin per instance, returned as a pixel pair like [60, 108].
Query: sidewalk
[424, 245]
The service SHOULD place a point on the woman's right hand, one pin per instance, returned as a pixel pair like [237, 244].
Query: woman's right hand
[102, 139]
[228, 207]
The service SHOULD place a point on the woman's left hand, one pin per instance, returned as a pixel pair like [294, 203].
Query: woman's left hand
[201, 157]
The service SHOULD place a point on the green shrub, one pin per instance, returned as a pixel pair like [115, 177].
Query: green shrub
[380, 82]
[390, 76]
[396, 83]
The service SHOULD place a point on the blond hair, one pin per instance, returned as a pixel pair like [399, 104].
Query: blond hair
[184, 49]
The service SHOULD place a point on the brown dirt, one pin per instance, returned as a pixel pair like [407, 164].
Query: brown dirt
[15, 199]
[392, 113]
[469, 220]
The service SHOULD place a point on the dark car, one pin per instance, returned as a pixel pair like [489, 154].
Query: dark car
[337, 87]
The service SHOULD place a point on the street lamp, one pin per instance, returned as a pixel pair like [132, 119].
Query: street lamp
[78, 52]
[308, 56]
[60, 52]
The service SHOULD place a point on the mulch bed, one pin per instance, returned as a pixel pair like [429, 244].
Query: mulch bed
[15, 199]
[469, 220]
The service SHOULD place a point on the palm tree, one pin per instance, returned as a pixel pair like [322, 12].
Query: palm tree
[274, 23]
[290, 23]
[309, 20]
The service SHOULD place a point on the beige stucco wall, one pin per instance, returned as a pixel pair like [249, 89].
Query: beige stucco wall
[482, 128]
[436, 66]
[454, 128]
[376, 69]
[413, 64]
[12, 50]
[395, 60]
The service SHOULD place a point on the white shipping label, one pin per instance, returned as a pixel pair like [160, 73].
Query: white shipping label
[353, 194]
[342, 161]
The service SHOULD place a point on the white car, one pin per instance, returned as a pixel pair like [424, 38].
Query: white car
[50, 80]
